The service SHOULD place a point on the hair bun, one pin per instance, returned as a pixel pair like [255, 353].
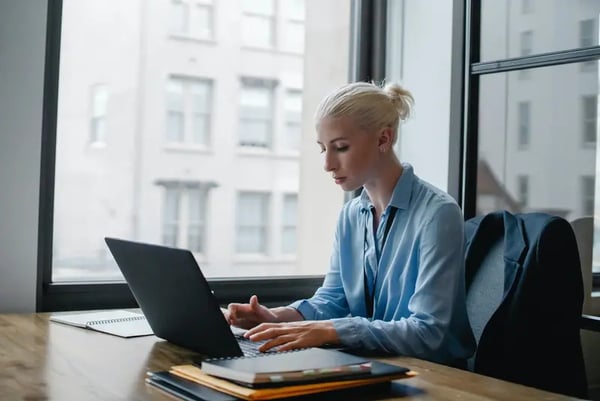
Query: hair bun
[401, 98]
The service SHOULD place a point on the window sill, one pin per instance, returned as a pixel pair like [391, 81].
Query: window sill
[169, 147]
[97, 145]
[251, 151]
[186, 38]
[252, 259]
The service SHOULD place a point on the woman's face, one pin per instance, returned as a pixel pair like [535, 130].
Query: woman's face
[351, 153]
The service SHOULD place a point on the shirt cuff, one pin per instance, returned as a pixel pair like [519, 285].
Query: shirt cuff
[304, 307]
[348, 331]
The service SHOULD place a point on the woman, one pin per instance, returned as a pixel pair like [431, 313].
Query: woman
[396, 280]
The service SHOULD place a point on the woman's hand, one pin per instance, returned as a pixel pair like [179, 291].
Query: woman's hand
[249, 315]
[292, 335]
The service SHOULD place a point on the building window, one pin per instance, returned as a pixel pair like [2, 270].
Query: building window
[526, 46]
[170, 217]
[587, 195]
[256, 113]
[293, 120]
[526, 6]
[189, 111]
[524, 118]
[184, 216]
[523, 190]
[252, 222]
[589, 118]
[258, 23]
[192, 18]
[588, 37]
[288, 219]
[294, 14]
[98, 118]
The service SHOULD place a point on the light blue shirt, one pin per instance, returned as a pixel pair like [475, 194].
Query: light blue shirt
[418, 274]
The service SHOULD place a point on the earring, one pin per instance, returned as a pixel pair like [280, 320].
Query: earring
[382, 149]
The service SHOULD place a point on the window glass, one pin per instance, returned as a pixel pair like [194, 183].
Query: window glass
[179, 17]
[288, 234]
[508, 27]
[252, 220]
[175, 111]
[293, 120]
[589, 121]
[197, 212]
[202, 22]
[524, 124]
[99, 106]
[555, 172]
[171, 216]
[178, 112]
[256, 101]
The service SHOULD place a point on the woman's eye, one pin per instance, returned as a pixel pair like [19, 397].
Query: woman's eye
[342, 148]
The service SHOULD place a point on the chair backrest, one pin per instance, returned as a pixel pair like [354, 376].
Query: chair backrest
[583, 227]
[524, 297]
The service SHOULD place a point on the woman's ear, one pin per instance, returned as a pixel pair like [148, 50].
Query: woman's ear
[385, 139]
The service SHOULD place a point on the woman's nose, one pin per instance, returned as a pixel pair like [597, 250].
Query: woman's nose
[330, 164]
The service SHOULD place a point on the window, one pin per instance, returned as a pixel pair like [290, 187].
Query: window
[184, 215]
[252, 218]
[170, 230]
[293, 120]
[185, 113]
[294, 15]
[256, 113]
[192, 19]
[565, 112]
[188, 111]
[98, 120]
[524, 124]
[288, 229]
[588, 37]
[526, 46]
[587, 195]
[258, 23]
[523, 190]
[589, 119]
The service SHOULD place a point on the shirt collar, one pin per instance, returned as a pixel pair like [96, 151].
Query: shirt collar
[401, 194]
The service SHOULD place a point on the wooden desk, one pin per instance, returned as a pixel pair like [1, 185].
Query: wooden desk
[42, 360]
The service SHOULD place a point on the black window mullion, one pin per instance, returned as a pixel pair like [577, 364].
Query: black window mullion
[48, 151]
[536, 61]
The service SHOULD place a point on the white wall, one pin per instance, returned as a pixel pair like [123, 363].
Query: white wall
[22, 49]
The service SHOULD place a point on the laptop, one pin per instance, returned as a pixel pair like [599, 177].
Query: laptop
[176, 299]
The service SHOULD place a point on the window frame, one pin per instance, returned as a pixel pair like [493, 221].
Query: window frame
[367, 61]
[474, 69]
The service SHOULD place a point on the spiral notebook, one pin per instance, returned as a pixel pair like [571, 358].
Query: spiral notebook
[120, 323]
[291, 366]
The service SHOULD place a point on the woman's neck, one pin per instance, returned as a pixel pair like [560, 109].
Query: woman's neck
[380, 189]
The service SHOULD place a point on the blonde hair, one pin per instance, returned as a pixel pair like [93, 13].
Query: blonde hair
[370, 105]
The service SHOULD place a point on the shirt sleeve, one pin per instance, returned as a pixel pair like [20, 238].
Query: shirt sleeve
[440, 271]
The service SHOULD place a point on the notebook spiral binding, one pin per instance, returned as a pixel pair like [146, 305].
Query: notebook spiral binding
[110, 321]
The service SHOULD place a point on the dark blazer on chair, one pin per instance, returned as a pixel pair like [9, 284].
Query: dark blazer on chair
[532, 337]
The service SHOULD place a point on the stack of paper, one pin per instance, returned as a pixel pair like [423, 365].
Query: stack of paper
[192, 382]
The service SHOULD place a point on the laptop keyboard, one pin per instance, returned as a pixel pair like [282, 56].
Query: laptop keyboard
[250, 348]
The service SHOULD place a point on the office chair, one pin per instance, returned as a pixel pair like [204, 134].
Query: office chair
[524, 299]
